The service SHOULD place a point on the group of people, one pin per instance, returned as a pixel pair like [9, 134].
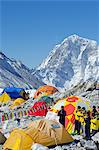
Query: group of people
[86, 122]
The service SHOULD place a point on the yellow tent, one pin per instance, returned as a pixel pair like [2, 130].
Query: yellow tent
[17, 102]
[70, 104]
[18, 140]
[45, 132]
[4, 98]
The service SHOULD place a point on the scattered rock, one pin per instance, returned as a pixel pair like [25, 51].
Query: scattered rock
[0, 147]
[2, 138]
[82, 142]
[90, 145]
[96, 137]
[58, 148]
[79, 145]
[77, 137]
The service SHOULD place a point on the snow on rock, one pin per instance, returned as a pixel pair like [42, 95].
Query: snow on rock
[73, 61]
[31, 92]
[1, 90]
[4, 127]
[57, 148]
[15, 73]
[52, 116]
[39, 147]
[88, 90]
[0, 147]
[90, 145]
[96, 137]
[77, 137]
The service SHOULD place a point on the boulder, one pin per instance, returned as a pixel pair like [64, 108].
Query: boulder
[2, 139]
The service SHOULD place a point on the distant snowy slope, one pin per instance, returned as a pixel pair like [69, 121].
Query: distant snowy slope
[73, 61]
[15, 73]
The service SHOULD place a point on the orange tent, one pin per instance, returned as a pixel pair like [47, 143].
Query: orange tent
[46, 89]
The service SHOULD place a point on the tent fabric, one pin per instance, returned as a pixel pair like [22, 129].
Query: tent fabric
[2, 138]
[70, 104]
[18, 140]
[4, 98]
[46, 99]
[39, 109]
[13, 92]
[45, 132]
[48, 132]
[17, 102]
[42, 95]
[45, 89]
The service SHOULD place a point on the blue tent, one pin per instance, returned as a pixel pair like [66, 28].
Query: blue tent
[13, 92]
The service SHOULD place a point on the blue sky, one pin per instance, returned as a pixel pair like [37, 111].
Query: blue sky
[30, 29]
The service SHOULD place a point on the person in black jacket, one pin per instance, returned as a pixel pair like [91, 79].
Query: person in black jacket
[18, 121]
[87, 126]
[94, 111]
[62, 114]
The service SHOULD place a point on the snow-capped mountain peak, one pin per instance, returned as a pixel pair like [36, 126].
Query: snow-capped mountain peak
[74, 60]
